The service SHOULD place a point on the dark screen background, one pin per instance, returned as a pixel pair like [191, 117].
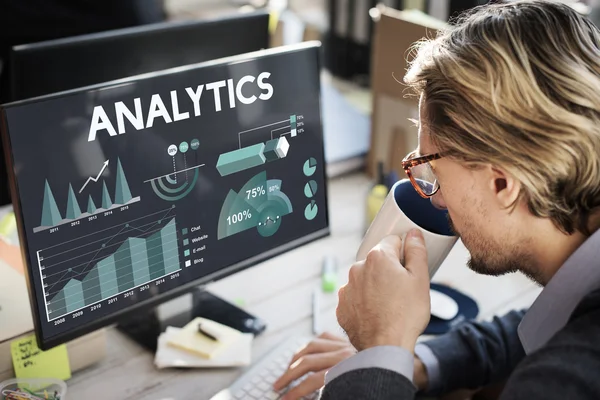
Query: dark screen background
[49, 141]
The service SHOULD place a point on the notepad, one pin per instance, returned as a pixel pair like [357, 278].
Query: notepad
[31, 362]
[190, 340]
[237, 355]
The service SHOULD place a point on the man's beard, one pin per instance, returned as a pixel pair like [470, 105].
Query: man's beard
[485, 260]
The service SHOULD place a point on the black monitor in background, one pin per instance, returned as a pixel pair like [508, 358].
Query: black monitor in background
[132, 192]
[63, 64]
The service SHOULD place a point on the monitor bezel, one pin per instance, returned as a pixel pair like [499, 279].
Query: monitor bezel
[108, 320]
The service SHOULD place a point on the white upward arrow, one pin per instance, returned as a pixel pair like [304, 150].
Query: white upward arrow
[96, 178]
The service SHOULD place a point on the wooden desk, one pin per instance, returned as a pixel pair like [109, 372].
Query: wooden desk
[280, 293]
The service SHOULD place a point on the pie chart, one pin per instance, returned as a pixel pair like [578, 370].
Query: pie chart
[311, 210]
[310, 189]
[310, 166]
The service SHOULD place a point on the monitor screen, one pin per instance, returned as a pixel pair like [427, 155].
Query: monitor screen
[131, 192]
[63, 64]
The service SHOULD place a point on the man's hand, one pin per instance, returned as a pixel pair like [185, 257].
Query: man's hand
[316, 358]
[385, 303]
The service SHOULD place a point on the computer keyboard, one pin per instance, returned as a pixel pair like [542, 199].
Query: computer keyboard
[257, 382]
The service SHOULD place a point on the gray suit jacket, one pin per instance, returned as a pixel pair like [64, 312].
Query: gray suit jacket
[480, 354]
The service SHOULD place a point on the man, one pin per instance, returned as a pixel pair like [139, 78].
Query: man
[510, 120]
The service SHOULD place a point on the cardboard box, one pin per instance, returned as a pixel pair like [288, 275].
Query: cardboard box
[392, 134]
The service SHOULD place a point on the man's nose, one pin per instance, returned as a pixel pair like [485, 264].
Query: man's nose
[438, 200]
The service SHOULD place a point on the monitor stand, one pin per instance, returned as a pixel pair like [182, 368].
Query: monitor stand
[145, 327]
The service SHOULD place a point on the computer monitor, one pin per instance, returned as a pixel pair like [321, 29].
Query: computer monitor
[132, 192]
[63, 64]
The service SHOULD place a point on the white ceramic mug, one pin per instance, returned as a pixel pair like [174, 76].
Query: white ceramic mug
[403, 210]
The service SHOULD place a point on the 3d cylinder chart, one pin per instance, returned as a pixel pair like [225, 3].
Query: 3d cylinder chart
[256, 154]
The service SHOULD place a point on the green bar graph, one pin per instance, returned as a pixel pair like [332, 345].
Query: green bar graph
[139, 261]
[155, 256]
[134, 263]
[108, 277]
[74, 295]
[57, 306]
[91, 287]
[124, 267]
[170, 247]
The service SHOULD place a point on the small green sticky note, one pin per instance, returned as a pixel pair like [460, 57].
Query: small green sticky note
[240, 302]
[31, 362]
[186, 242]
[186, 253]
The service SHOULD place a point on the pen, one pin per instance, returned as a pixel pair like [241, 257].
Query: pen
[316, 307]
[204, 332]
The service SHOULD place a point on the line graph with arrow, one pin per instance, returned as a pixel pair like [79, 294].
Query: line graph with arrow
[92, 179]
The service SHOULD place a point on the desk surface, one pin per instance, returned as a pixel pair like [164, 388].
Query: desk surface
[284, 301]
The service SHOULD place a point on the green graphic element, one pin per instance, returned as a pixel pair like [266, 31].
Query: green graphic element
[122, 193]
[73, 294]
[293, 130]
[184, 231]
[311, 210]
[186, 253]
[241, 159]
[106, 201]
[88, 286]
[310, 166]
[183, 147]
[50, 214]
[310, 189]
[176, 193]
[269, 220]
[91, 208]
[73, 210]
[276, 149]
[260, 203]
[136, 262]
[195, 144]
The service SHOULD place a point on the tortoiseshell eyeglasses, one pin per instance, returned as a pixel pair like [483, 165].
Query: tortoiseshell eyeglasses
[421, 173]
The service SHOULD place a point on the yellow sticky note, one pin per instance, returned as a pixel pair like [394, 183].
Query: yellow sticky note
[273, 21]
[31, 362]
[8, 224]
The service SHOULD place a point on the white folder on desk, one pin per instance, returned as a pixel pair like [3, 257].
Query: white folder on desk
[238, 354]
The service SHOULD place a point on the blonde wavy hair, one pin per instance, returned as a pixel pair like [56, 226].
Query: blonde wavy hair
[517, 85]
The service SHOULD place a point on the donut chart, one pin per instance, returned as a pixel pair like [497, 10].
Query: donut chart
[259, 204]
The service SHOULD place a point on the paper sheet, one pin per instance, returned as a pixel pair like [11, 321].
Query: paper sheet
[238, 354]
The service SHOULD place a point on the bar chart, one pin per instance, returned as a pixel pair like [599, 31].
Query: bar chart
[105, 264]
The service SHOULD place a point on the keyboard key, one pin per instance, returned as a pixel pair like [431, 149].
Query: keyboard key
[257, 394]
[271, 379]
[248, 387]
[264, 386]
[255, 379]
[272, 396]
[240, 395]
[264, 373]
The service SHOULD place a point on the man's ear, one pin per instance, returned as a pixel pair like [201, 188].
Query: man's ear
[504, 186]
